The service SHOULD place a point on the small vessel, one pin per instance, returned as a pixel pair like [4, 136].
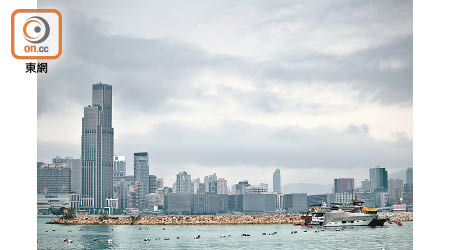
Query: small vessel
[96, 239]
[109, 241]
[166, 238]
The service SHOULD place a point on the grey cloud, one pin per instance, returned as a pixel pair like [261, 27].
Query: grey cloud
[233, 144]
[147, 72]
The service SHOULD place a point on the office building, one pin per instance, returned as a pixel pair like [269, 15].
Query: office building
[378, 180]
[141, 170]
[153, 185]
[53, 178]
[295, 203]
[209, 203]
[395, 190]
[277, 181]
[97, 147]
[317, 200]
[183, 183]
[222, 187]
[258, 203]
[119, 166]
[407, 195]
[210, 183]
[177, 203]
[75, 172]
[342, 185]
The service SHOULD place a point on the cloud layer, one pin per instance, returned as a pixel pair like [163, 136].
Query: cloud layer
[309, 88]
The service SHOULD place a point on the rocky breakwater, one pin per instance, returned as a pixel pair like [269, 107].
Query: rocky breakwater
[181, 220]
[396, 216]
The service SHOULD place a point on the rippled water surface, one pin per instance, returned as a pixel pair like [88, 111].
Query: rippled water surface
[132, 237]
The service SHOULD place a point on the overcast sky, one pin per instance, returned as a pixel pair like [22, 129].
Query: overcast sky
[319, 89]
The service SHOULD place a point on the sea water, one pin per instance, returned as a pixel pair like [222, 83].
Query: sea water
[131, 237]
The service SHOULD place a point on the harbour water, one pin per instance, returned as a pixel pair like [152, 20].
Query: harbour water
[132, 237]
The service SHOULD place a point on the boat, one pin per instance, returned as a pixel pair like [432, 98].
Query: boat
[339, 218]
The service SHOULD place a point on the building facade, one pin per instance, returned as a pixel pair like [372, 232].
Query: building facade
[75, 172]
[378, 180]
[183, 183]
[277, 181]
[53, 178]
[119, 166]
[342, 185]
[97, 147]
[295, 203]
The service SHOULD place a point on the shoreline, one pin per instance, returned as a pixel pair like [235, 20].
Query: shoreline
[205, 219]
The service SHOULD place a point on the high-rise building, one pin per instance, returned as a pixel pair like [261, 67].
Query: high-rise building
[342, 185]
[97, 147]
[378, 179]
[120, 166]
[365, 184]
[409, 180]
[211, 183]
[222, 187]
[53, 178]
[183, 183]
[395, 190]
[277, 181]
[141, 170]
[153, 186]
[196, 183]
[407, 195]
[75, 172]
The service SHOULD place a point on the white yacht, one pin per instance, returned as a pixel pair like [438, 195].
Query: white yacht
[339, 218]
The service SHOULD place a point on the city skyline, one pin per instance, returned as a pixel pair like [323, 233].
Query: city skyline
[316, 108]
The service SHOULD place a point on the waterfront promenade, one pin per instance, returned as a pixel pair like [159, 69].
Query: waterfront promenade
[203, 219]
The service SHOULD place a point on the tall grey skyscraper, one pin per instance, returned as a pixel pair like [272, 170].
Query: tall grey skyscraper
[409, 180]
[97, 147]
[378, 180]
[141, 170]
[183, 183]
[277, 181]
